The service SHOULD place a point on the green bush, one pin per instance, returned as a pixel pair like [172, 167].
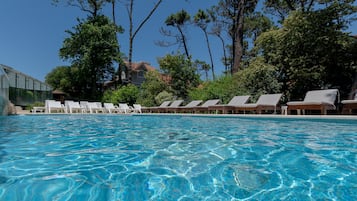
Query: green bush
[224, 88]
[258, 78]
[151, 87]
[35, 104]
[125, 94]
[163, 96]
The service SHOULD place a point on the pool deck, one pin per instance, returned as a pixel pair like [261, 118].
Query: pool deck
[341, 117]
[279, 116]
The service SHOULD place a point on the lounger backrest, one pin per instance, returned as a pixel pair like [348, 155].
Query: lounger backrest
[124, 106]
[137, 106]
[176, 103]
[99, 104]
[54, 104]
[83, 104]
[92, 105]
[109, 105]
[269, 99]
[73, 104]
[210, 102]
[193, 103]
[47, 102]
[328, 96]
[238, 100]
[165, 104]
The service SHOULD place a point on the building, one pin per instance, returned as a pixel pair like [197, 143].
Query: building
[20, 89]
[4, 92]
[138, 71]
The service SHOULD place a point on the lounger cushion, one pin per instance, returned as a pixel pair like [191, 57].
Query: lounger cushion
[349, 101]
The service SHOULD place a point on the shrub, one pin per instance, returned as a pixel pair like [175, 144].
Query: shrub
[163, 96]
[258, 78]
[224, 88]
[151, 87]
[125, 94]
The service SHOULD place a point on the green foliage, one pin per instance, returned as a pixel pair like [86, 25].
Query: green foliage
[125, 94]
[182, 73]
[35, 104]
[259, 78]
[311, 51]
[93, 49]
[60, 78]
[150, 88]
[179, 20]
[163, 96]
[223, 88]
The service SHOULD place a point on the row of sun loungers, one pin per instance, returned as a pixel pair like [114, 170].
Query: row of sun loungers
[237, 104]
[316, 100]
[320, 100]
[52, 106]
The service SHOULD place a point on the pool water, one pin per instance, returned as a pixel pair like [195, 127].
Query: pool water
[113, 157]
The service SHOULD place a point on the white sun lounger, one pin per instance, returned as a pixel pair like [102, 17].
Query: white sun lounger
[95, 107]
[52, 105]
[73, 107]
[266, 102]
[322, 100]
[136, 108]
[125, 108]
[236, 101]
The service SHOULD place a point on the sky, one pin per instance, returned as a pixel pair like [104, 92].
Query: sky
[32, 32]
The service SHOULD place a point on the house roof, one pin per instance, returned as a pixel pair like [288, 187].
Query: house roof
[140, 66]
[57, 91]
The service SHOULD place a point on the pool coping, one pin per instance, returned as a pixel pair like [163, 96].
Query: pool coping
[275, 116]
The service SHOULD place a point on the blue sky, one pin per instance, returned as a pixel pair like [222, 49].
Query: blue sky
[32, 32]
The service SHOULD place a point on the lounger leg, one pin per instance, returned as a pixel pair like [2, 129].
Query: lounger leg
[298, 112]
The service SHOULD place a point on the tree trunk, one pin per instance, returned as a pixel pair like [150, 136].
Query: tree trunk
[183, 38]
[132, 33]
[210, 54]
[238, 38]
[130, 40]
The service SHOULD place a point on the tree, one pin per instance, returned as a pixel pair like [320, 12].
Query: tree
[125, 94]
[255, 24]
[232, 13]
[311, 51]
[90, 6]
[202, 66]
[178, 21]
[258, 78]
[92, 48]
[217, 31]
[282, 8]
[181, 72]
[60, 78]
[201, 20]
[133, 33]
[150, 88]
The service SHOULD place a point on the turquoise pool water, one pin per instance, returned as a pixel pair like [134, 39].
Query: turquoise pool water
[104, 157]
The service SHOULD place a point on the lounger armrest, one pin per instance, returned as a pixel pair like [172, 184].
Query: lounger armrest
[308, 103]
[349, 101]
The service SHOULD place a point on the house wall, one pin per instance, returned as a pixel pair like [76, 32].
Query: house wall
[137, 78]
[4, 92]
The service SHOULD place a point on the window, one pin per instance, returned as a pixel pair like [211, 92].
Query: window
[141, 74]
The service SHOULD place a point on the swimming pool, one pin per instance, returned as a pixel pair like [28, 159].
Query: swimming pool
[112, 157]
